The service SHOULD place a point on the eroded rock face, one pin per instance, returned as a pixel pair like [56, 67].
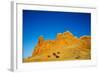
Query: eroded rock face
[65, 47]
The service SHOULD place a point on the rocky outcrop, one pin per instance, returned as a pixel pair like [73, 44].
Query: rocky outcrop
[65, 47]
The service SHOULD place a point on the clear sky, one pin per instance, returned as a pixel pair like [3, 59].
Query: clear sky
[49, 23]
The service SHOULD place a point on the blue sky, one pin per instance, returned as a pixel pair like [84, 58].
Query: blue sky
[49, 23]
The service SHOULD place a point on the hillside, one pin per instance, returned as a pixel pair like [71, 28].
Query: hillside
[65, 47]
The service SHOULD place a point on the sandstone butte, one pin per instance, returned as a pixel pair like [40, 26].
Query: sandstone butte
[65, 47]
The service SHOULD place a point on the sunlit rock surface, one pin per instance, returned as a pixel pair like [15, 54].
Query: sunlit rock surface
[65, 47]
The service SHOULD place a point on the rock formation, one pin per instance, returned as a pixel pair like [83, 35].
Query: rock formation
[65, 47]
